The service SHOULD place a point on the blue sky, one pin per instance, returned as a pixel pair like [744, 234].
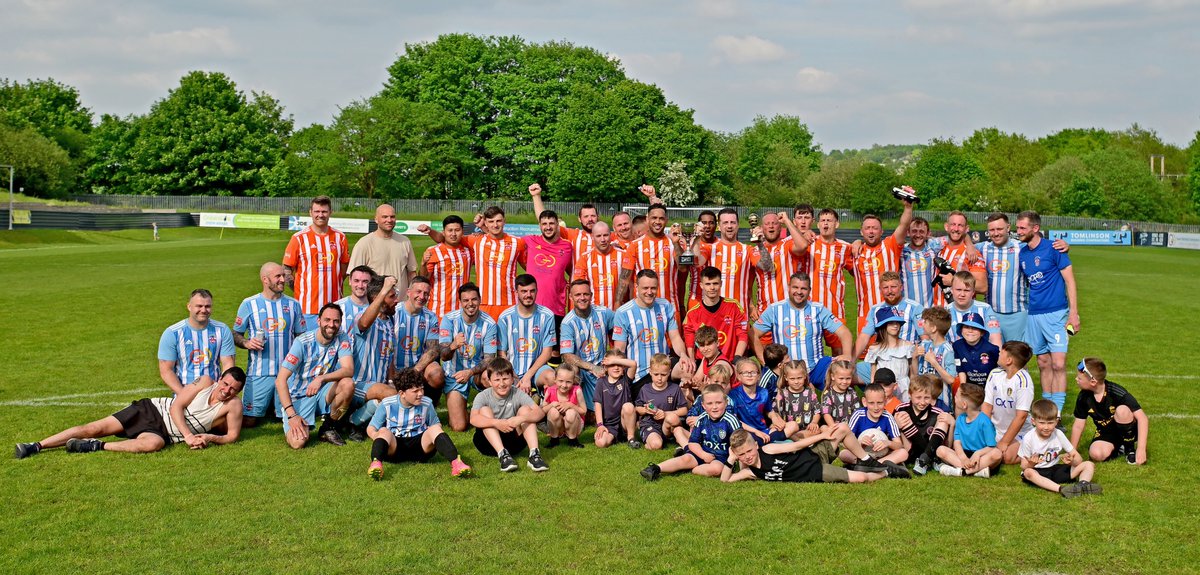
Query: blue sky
[857, 73]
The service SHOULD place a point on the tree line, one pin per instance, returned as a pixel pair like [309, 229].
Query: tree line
[480, 117]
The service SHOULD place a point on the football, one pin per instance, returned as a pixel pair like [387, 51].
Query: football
[872, 436]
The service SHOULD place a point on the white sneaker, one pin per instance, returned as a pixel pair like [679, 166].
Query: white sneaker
[984, 473]
[950, 471]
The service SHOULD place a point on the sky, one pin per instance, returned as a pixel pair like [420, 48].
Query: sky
[857, 73]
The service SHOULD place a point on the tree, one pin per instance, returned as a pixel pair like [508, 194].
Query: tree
[830, 187]
[1045, 189]
[596, 153]
[315, 165]
[870, 189]
[1131, 192]
[676, 185]
[1075, 142]
[947, 177]
[401, 149]
[1083, 198]
[40, 165]
[205, 138]
[108, 159]
[49, 107]
[1008, 160]
[1193, 177]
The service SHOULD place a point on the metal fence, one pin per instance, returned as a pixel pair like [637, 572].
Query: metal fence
[432, 206]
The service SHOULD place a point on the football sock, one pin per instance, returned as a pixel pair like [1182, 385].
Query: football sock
[363, 415]
[379, 449]
[434, 394]
[445, 447]
[37, 447]
[1059, 398]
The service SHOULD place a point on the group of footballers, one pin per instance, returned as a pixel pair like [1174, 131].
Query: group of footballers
[654, 336]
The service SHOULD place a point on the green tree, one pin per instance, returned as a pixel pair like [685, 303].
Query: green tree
[315, 165]
[947, 177]
[1193, 177]
[40, 165]
[1008, 160]
[1044, 189]
[675, 185]
[1083, 198]
[1075, 142]
[871, 189]
[1131, 192]
[108, 159]
[830, 187]
[51, 108]
[206, 138]
[595, 149]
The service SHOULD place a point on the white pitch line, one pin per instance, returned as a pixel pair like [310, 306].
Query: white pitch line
[57, 398]
[1175, 416]
[62, 404]
[1152, 376]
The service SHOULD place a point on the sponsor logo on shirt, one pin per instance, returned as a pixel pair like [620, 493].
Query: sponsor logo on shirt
[525, 345]
[648, 335]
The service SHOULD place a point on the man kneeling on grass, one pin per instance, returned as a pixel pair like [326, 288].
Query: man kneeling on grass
[406, 428]
[149, 425]
[793, 462]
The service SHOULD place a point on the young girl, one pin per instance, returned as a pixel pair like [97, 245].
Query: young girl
[564, 407]
[797, 402]
[890, 350]
[839, 400]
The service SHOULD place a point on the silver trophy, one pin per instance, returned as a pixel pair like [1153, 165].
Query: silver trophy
[687, 257]
[752, 219]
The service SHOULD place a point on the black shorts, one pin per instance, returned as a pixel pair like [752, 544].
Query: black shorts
[1117, 435]
[142, 417]
[645, 431]
[617, 431]
[512, 441]
[1059, 473]
[409, 449]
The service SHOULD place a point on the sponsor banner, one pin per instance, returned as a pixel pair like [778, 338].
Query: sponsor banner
[1093, 237]
[1150, 239]
[409, 227]
[344, 225]
[208, 220]
[242, 221]
[22, 217]
[1184, 241]
[517, 230]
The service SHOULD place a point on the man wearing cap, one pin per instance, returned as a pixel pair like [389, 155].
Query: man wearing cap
[892, 288]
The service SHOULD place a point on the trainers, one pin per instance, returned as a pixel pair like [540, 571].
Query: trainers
[896, 471]
[356, 435]
[76, 445]
[459, 469]
[1131, 458]
[333, 437]
[25, 450]
[536, 462]
[985, 473]
[507, 463]
[1070, 490]
[1089, 488]
[575, 443]
[634, 444]
[923, 464]
[950, 471]
[375, 471]
[651, 472]
[870, 465]
[554, 441]
[680, 451]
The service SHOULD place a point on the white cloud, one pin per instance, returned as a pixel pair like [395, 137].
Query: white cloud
[649, 67]
[747, 49]
[810, 80]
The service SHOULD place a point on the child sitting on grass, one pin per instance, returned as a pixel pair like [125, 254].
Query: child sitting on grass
[1048, 460]
[974, 451]
[564, 407]
[708, 447]
[615, 415]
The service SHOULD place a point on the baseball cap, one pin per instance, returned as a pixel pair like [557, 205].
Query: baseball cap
[971, 319]
[884, 376]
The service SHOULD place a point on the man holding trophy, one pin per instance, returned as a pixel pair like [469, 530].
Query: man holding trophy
[735, 259]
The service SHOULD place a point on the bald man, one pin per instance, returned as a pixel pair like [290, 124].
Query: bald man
[601, 266]
[266, 324]
[386, 252]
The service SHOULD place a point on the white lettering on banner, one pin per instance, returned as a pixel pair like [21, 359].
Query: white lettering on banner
[208, 220]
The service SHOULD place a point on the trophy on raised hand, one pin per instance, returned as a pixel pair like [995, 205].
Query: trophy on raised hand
[687, 257]
[752, 219]
[906, 194]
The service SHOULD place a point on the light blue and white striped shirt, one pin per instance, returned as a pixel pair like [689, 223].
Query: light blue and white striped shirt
[1008, 288]
[309, 358]
[802, 331]
[374, 349]
[413, 331]
[644, 331]
[587, 337]
[196, 353]
[916, 267]
[405, 421]
[350, 313]
[278, 322]
[480, 336]
[522, 339]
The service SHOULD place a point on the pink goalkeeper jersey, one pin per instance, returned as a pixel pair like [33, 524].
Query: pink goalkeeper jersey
[550, 263]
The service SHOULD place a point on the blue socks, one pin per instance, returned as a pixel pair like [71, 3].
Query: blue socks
[1058, 397]
[363, 415]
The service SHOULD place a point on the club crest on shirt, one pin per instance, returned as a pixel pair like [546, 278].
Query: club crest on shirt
[1037, 261]
[212, 339]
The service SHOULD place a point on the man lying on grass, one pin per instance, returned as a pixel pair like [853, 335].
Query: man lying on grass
[151, 424]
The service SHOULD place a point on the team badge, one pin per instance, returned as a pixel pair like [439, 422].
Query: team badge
[537, 329]
[1037, 261]
[238, 322]
[212, 339]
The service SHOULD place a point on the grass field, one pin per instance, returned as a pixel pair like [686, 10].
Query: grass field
[81, 317]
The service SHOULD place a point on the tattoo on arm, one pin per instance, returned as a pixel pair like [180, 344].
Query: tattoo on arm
[482, 365]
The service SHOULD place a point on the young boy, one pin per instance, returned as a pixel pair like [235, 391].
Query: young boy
[794, 462]
[974, 356]
[708, 446]
[720, 375]
[613, 405]
[1008, 394]
[887, 378]
[936, 356]
[774, 356]
[873, 415]
[406, 428]
[660, 405]
[708, 355]
[924, 424]
[1121, 426]
[505, 419]
[754, 406]
[1049, 461]
[974, 451]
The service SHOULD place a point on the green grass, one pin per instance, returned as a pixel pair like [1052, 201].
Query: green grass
[82, 313]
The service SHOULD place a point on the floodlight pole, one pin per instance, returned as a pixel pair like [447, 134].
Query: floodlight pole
[11, 173]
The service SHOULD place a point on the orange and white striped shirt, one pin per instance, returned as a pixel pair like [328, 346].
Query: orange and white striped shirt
[737, 262]
[620, 242]
[447, 268]
[496, 265]
[829, 260]
[318, 261]
[602, 271]
[773, 287]
[647, 253]
[581, 241]
[956, 256]
[868, 266]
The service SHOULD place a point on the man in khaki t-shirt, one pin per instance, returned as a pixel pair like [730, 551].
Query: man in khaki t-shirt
[388, 253]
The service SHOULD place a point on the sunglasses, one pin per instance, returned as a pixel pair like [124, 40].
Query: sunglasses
[1084, 369]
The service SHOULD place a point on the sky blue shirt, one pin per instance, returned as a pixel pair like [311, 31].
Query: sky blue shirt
[799, 330]
[522, 339]
[278, 322]
[309, 359]
[644, 331]
[196, 353]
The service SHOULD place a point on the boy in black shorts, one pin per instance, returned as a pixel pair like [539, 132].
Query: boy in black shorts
[406, 428]
[1122, 428]
[924, 424]
[793, 462]
[1048, 460]
[613, 406]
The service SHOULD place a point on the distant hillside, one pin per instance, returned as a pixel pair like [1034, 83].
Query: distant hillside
[895, 156]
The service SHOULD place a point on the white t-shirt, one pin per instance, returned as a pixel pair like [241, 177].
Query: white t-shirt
[1045, 451]
[1007, 396]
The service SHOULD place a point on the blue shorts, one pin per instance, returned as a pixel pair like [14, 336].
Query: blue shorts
[864, 371]
[360, 391]
[587, 384]
[452, 385]
[1012, 325]
[308, 407]
[536, 375]
[817, 374]
[775, 436]
[258, 395]
[1047, 332]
